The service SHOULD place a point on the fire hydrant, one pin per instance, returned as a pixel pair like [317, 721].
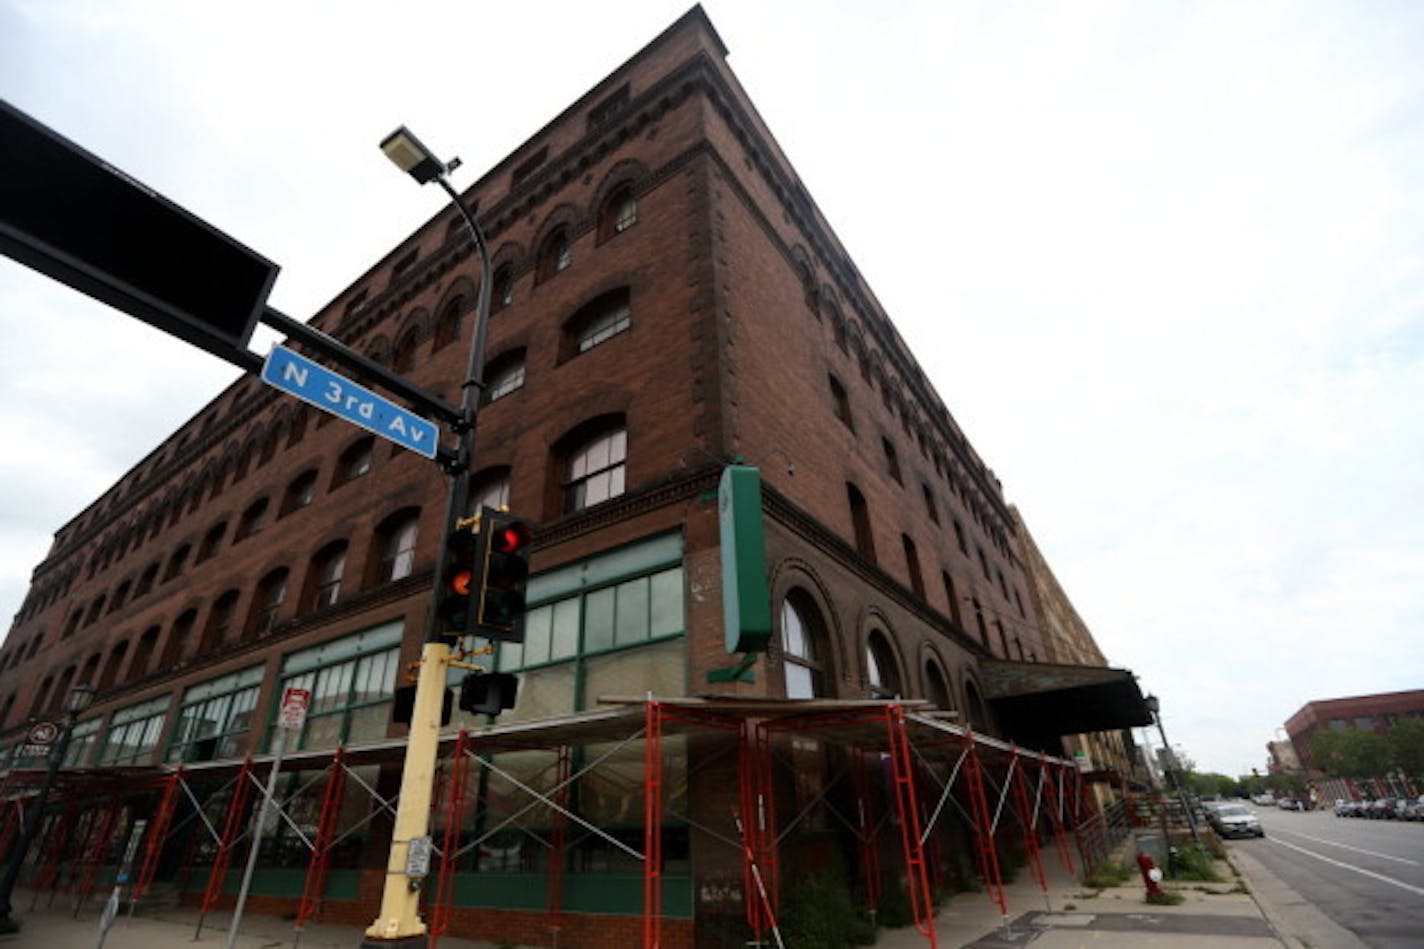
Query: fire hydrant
[1151, 875]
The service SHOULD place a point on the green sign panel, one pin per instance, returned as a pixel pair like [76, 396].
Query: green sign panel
[746, 600]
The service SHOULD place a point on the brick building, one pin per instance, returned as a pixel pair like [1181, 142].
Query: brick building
[1375, 713]
[666, 298]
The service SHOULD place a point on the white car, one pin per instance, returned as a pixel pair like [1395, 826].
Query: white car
[1235, 820]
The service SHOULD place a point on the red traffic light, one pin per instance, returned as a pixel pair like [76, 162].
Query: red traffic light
[509, 537]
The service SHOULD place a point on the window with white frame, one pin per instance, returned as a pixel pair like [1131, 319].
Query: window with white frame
[596, 469]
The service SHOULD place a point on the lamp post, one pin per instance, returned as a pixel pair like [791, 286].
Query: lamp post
[399, 921]
[75, 704]
[1169, 763]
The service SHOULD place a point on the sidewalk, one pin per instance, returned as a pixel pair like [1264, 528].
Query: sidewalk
[1069, 915]
[176, 927]
[1211, 916]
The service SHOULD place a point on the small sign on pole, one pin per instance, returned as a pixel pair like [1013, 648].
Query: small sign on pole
[293, 714]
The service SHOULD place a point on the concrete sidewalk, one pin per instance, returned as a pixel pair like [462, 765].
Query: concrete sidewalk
[1069, 914]
[1218, 915]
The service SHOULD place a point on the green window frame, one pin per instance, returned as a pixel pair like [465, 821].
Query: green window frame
[133, 733]
[219, 711]
[81, 743]
[352, 682]
[622, 600]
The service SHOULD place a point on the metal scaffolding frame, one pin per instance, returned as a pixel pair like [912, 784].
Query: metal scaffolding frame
[921, 765]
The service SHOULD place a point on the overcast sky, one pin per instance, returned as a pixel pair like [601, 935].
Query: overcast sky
[1163, 261]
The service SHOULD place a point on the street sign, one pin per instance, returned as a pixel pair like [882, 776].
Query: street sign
[316, 385]
[417, 857]
[293, 714]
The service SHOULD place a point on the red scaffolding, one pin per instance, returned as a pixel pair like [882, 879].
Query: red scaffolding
[922, 766]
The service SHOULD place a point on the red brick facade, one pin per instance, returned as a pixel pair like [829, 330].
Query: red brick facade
[750, 334]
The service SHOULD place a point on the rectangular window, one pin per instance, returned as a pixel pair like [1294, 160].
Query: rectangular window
[610, 624]
[214, 716]
[81, 744]
[133, 733]
[352, 681]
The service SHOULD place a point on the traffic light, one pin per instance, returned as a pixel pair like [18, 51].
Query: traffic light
[454, 612]
[503, 563]
[488, 693]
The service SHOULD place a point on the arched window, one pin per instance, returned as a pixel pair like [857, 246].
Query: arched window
[489, 488]
[974, 708]
[596, 322]
[271, 591]
[447, 323]
[395, 545]
[111, 667]
[555, 255]
[61, 691]
[840, 402]
[860, 522]
[912, 565]
[502, 289]
[979, 621]
[326, 570]
[880, 669]
[952, 595]
[403, 356]
[804, 659]
[70, 626]
[937, 687]
[251, 521]
[355, 461]
[211, 541]
[177, 643]
[42, 696]
[96, 609]
[143, 652]
[176, 562]
[146, 580]
[504, 375]
[121, 595]
[595, 467]
[219, 627]
[299, 493]
[619, 213]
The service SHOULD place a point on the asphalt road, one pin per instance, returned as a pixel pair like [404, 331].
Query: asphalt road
[1366, 876]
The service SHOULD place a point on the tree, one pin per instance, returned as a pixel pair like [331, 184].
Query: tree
[1406, 741]
[1351, 754]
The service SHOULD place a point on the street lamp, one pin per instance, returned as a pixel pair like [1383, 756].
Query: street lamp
[75, 704]
[399, 920]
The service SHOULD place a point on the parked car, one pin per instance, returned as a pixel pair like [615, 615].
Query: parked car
[1414, 810]
[1344, 808]
[1235, 820]
[1290, 804]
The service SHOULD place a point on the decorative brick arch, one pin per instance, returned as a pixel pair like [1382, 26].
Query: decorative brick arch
[793, 573]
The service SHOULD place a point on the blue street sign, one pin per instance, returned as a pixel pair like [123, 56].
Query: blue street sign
[315, 384]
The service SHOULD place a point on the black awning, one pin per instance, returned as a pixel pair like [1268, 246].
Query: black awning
[1037, 700]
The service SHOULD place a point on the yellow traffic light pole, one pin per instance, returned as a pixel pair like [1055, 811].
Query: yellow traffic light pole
[399, 922]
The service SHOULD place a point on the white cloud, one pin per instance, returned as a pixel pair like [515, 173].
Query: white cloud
[1162, 264]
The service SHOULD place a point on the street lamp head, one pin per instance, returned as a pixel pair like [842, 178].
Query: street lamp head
[1151, 703]
[79, 699]
[411, 156]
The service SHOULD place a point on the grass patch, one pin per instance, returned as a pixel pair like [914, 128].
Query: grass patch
[1107, 873]
[1164, 898]
[1191, 863]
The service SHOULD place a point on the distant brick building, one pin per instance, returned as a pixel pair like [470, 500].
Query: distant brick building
[667, 298]
[1376, 713]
